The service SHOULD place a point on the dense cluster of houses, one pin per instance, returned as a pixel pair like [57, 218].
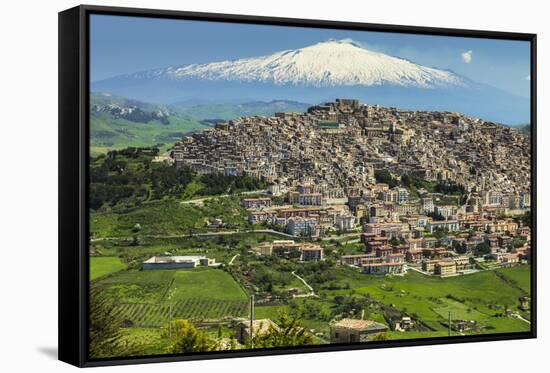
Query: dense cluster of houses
[347, 167]
[331, 152]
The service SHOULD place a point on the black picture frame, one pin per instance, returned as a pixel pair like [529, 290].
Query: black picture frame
[74, 179]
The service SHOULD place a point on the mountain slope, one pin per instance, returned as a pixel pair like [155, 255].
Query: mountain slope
[226, 111]
[326, 64]
[117, 122]
[322, 72]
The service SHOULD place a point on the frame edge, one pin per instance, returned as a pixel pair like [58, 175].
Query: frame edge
[69, 259]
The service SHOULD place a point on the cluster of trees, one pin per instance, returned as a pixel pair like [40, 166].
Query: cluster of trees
[435, 216]
[407, 181]
[413, 183]
[169, 180]
[352, 306]
[318, 272]
[187, 338]
[288, 334]
[460, 248]
[384, 176]
[524, 220]
[311, 310]
[118, 175]
[221, 184]
[449, 188]
[121, 175]
[128, 177]
[106, 333]
[396, 241]
[482, 249]
[266, 277]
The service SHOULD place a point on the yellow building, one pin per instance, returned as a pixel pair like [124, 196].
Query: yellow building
[445, 268]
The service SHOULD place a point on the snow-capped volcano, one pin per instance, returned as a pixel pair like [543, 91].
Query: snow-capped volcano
[320, 73]
[326, 64]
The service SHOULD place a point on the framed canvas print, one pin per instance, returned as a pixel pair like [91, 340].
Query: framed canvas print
[234, 186]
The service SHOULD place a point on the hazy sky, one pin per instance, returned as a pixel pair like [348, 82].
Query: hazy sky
[121, 45]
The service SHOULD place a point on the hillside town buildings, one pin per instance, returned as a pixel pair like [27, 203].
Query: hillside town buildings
[419, 188]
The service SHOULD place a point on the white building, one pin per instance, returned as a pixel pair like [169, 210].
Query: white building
[176, 262]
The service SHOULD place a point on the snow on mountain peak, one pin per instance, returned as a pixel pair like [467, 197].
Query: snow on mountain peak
[325, 64]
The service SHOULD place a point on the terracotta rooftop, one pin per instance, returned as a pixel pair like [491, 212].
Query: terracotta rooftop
[360, 324]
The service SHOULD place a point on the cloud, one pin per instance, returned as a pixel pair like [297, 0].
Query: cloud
[467, 56]
[528, 77]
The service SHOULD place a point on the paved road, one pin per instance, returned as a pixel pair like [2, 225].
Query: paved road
[201, 200]
[203, 234]
[345, 235]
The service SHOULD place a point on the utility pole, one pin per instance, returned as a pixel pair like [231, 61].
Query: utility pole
[449, 323]
[251, 321]
[170, 321]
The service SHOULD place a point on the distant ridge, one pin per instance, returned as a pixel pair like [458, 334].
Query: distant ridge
[322, 72]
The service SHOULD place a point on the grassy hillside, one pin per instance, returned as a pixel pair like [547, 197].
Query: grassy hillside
[482, 297]
[168, 217]
[109, 134]
[102, 266]
[113, 126]
[228, 111]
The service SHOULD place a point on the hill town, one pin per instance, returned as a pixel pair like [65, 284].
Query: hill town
[393, 174]
[362, 222]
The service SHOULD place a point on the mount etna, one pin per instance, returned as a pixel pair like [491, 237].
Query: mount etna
[318, 73]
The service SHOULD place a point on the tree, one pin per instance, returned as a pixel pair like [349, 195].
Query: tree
[106, 335]
[188, 338]
[289, 333]
[460, 248]
[483, 249]
[381, 337]
[384, 176]
[436, 216]
[135, 240]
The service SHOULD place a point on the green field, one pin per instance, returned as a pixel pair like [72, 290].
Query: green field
[482, 297]
[519, 276]
[168, 217]
[102, 266]
[108, 134]
[149, 340]
[144, 297]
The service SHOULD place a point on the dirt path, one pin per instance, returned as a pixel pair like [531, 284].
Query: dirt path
[311, 293]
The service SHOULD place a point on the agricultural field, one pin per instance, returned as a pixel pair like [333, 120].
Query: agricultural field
[148, 339]
[519, 276]
[144, 297]
[482, 297]
[102, 266]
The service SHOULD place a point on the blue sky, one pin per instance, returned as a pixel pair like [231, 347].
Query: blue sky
[121, 45]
